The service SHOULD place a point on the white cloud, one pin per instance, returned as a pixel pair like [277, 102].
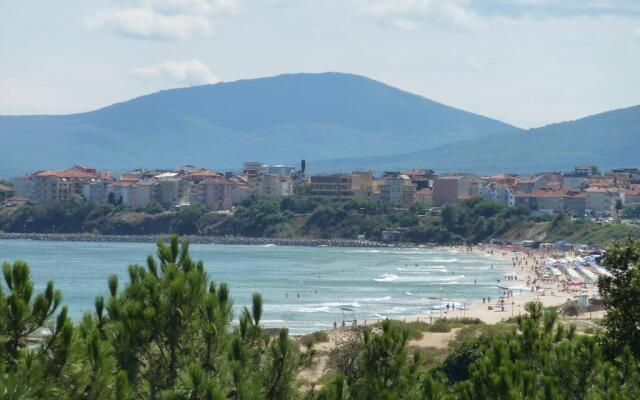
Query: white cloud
[146, 23]
[194, 7]
[474, 14]
[406, 24]
[183, 73]
[407, 14]
[162, 19]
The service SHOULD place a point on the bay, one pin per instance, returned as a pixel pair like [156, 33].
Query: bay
[304, 288]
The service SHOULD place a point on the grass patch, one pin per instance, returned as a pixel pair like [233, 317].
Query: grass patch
[470, 332]
[432, 356]
[446, 325]
[316, 337]
[415, 328]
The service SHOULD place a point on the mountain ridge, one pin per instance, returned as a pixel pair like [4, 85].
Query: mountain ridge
[336, 121]
[276, 119]
[607, 139]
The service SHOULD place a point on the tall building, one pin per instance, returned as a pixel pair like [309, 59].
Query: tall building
[604, 201]
[280, 169]
[332, 187]
[217, 193]
[169, 189]
[451, 188]
[252, 168]
[272, 185]
[362, 184]
[398, 190]
[422, 178]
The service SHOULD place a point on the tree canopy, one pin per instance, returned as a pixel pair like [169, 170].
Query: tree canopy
[170, 333]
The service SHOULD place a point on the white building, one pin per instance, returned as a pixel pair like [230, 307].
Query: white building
[280, 169]
[272, 185]
[602, 201]
[217, 193]
[500, 193]
[398, 191]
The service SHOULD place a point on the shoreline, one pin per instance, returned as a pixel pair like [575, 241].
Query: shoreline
[230, 240]
[523, 266]
[524, 272]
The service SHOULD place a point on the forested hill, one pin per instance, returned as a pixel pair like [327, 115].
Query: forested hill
[277, 119]
[470, 221]
[608, 140]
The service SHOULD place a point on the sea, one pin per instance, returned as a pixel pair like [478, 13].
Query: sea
[304, 288]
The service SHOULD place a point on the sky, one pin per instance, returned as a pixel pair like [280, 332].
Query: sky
[526, 62]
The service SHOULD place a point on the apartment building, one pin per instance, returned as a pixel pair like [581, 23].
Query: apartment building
[451, 188]
[137, 194]
[272, 185]
[501, 193]
[278, 169]
[422, 178]
[529, 184]
[549, 201]
[53, 186]
[217, 193]
[398, 190]
[604, 201]
[362, 184]
[332, 187]
[241, 189]
[425, 196]
[577, 180]
[251, 168]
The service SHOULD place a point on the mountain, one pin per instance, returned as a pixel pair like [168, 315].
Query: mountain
[277, 119]
[609, 140]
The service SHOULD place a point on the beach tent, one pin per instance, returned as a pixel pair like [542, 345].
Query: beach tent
[348, 309]
[573, 274]
[588, 274]
[601, 271]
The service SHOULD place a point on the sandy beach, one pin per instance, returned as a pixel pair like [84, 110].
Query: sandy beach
[523, 282]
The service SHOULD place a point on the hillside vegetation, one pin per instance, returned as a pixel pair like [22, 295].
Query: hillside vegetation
[300, 217]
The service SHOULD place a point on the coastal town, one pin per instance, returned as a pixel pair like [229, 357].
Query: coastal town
[320, 200]
[585, 192]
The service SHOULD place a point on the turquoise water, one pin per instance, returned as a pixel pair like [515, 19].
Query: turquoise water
[304, 288]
